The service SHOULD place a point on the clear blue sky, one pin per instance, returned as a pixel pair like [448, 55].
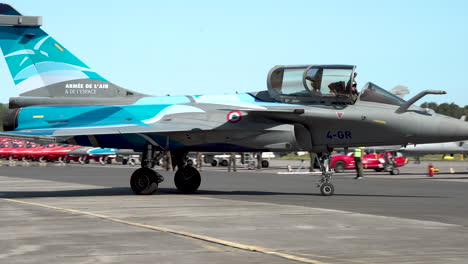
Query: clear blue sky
[195, 47]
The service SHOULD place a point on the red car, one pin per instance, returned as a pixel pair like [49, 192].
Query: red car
[342, 162]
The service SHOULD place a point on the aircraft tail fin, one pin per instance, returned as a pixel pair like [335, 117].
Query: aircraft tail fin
[42, 67]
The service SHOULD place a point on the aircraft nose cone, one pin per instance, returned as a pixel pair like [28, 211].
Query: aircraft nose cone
[453, 129]
[438, 128]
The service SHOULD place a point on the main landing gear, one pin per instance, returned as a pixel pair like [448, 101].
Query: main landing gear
[326, 188]
[145, 180]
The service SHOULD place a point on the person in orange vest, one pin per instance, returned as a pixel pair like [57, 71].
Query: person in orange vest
[358, 152]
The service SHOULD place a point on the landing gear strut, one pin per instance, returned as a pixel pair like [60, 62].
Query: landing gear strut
[326, 188]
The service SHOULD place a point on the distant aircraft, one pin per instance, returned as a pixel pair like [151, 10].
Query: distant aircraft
[85, 154]
[306, 107]
[24, 150]
[446, 148]
[419, 150]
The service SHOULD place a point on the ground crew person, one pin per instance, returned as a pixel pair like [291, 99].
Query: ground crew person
[312, 161]
[232, 162]
[358, 152]
[199, 164]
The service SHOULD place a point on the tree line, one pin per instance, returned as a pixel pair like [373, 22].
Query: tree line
[452, 109]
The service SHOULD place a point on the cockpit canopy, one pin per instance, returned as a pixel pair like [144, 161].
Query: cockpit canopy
[373, 93]
[325, 84]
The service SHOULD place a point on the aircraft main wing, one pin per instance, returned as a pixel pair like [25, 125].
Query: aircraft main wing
[194, 118]
[174, 125]
[32, 138]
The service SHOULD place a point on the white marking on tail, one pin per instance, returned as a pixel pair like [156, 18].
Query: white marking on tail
[40, 42]
[24, 59]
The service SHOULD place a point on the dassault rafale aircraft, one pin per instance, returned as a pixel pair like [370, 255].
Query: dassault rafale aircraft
[306, 107]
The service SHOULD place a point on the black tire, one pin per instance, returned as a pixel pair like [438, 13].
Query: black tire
[395, 171]
[144, 181]
[86, 161]
[214, 163]
[187, 179]
[327, 189]
[340, 166]
[224, 163]
[265, 164]
[378, 170]
[124, 161]
[109, 161]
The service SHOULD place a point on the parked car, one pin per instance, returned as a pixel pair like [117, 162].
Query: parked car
[342, 162]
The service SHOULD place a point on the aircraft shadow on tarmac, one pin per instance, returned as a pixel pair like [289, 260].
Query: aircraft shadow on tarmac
[123, 191]
[210, 192]
[424, 175]
[446, 178]
[119, 191]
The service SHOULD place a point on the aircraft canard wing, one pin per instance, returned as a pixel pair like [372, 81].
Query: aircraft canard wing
[171, 127]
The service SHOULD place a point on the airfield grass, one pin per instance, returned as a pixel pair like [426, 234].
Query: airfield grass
[439, 157]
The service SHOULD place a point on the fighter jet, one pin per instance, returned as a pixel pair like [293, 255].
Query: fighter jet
[305, 108]
[418, 150]
[446, 148]
[83, 155]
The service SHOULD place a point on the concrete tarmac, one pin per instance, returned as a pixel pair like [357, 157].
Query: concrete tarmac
[77, 214]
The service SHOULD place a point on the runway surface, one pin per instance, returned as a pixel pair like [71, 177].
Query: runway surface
[76, 214]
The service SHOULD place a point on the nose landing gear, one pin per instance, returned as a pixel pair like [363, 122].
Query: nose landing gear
[326, 188]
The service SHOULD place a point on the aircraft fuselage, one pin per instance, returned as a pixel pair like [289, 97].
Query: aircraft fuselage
[237, 122]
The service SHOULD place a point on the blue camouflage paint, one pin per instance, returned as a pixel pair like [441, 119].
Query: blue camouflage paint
[56, 117]
[85, 116]
[35, 59]
[102, 151]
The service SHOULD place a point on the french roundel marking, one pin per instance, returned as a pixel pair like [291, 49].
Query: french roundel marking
[234, 116]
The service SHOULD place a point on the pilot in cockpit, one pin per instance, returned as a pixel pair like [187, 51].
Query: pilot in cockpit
[337, 88]
[354, 91]
[315, 80]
